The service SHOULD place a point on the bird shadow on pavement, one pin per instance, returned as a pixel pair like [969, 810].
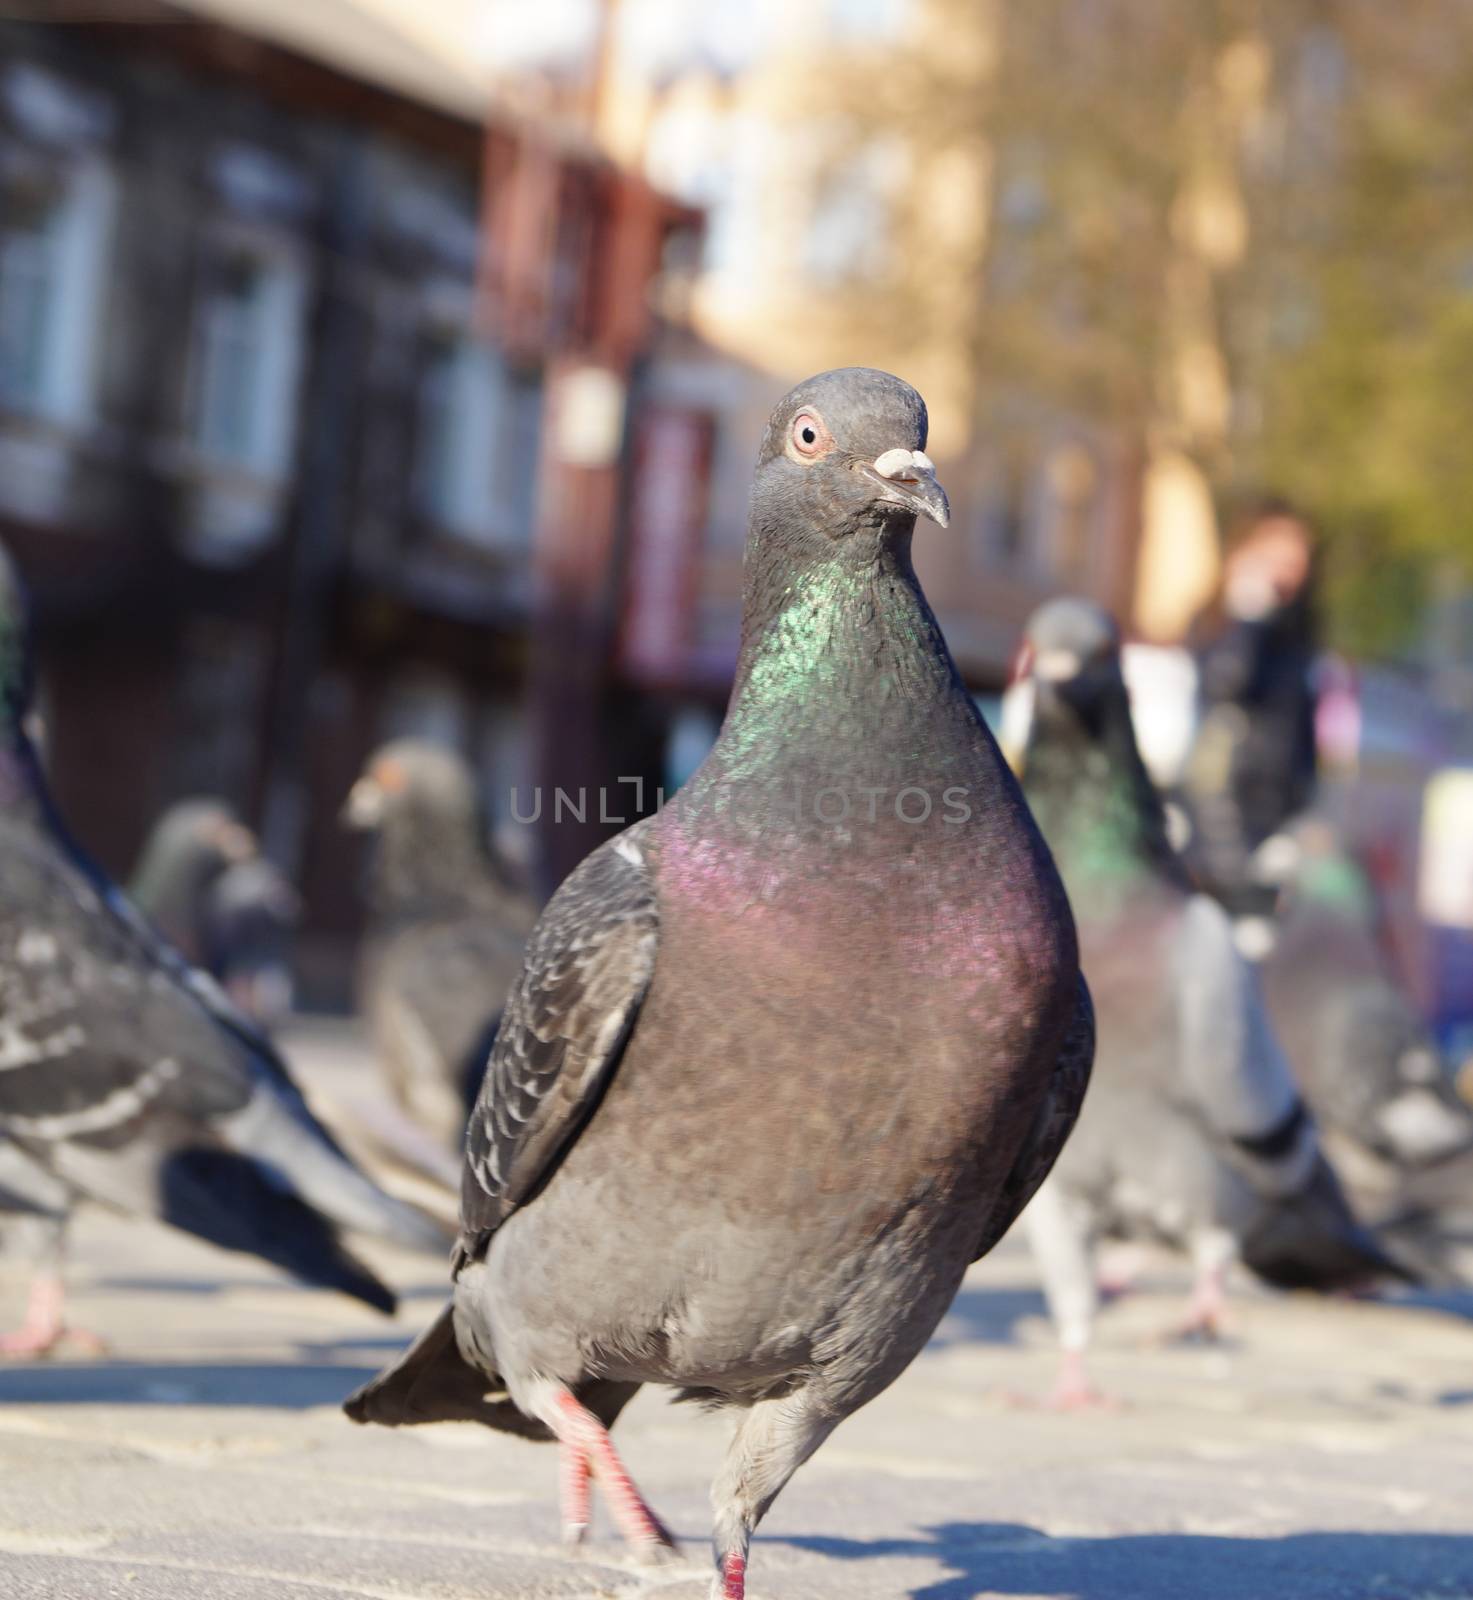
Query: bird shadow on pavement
[985, 1559]
[287, 1387]
[989, 1316]
[1449, 1302]
[205, 1287]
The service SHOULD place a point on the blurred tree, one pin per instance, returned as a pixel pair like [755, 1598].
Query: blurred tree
[1368, 407]
[1233, 228]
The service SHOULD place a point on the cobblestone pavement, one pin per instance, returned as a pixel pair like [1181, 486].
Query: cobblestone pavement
[1325, 1450]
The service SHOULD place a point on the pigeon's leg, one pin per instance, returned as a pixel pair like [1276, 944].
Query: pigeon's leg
[577, 1496]
[771, 1442]
[44, 1327]
[1061, 1234]
[1213, 1251]
[588, 1448]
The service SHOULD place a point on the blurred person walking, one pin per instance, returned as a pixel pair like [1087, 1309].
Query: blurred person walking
[1252, 766]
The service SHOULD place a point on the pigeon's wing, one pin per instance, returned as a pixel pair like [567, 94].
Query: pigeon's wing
[27, 1187]
[1234, 1075]
[1302, 1232]
[588, 965]
[85, 1040]
[1052, 1122]
[124, 1073]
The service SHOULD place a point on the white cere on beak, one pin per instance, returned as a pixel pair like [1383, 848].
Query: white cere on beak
[902, 463]
[1056, 666]
[365, 807]
[914, 477]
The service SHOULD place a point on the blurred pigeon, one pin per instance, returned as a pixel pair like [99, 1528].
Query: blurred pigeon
[1372, 1074]
[126, 1077]
[785, 1058]
[1194, 1132]
[203, 883]
[446, 934]
[188, 851]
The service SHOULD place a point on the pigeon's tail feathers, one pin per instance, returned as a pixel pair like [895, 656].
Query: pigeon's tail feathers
[433, 1382]
[269, 1131]
[1311, 1240]
[231, 1201]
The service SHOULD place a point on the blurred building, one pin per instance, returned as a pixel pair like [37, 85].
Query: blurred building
[313, 383]
[849, 180]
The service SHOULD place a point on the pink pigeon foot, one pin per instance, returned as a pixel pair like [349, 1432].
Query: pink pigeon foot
[588, 1451]
[1073, 1390]
[45, 1330]
[1203, 1320]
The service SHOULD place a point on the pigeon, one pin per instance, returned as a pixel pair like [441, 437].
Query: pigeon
[126, 1076]
[203, 883]
[446, 934]
[1194, 1133]
[784, 1058]
[1370, 1071]
[188, 851]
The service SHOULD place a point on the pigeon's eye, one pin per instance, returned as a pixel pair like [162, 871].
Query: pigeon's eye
[810, 437]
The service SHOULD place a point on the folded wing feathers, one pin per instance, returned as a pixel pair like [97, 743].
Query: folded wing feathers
[587, 966]
[1234, 1069]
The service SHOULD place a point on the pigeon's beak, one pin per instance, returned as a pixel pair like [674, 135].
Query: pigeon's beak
[908, 478]
[365, 804]
[1056, 665]
[236, 842]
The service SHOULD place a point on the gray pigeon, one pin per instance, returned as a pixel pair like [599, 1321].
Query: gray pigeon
[126, 1077]
[1370, 1071]
[1194, 1133]
[189, 849]
[203, 883]
[785, 1058]
[447, 930]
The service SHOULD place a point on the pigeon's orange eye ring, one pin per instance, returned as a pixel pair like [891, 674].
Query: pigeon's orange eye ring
[809, 437]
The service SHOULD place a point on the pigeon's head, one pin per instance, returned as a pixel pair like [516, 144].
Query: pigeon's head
[413, 783]
[15, 648]
[1071, 659]
[189, 850]
[845, 452]
[200, 839]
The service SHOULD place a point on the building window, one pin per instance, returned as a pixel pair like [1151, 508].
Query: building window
[1072, 482]
[475, 473]
[53, 239]
[247, 357]
[221, 691]
[1007, 509]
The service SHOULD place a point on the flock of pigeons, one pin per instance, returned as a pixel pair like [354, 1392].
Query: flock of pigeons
[774, 1066]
